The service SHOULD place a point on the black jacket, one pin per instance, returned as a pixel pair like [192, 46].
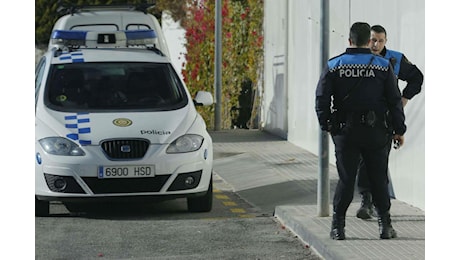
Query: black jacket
[377, 90]
[405, 71]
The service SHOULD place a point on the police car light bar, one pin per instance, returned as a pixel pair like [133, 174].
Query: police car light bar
[68, 38]
[141, 37]
[111, 39]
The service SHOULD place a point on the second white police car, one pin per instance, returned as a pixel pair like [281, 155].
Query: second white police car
[114, 120]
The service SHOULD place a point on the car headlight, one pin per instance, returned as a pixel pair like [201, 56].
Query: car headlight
[185, 143]
[60, 146]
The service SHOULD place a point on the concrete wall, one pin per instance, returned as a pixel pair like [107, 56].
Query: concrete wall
[274, 107]
[292, 69]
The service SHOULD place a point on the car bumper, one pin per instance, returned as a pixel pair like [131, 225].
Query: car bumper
[65, 178]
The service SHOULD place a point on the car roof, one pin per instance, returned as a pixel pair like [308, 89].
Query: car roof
[111, 18]
[119, 18]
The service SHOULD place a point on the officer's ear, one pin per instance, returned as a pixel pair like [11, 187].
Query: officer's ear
[349, 42]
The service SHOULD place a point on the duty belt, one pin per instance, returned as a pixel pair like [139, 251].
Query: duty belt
[368, 118]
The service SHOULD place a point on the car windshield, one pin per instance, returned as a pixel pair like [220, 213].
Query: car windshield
[114, 86]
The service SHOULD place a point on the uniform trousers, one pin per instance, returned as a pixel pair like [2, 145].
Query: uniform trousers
[370, 143]
[363, 180]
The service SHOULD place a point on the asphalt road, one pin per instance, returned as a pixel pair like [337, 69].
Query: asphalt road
[240, 226]
[234, 229]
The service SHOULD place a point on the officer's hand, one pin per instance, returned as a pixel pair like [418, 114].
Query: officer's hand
[398, 141]
[404, 101]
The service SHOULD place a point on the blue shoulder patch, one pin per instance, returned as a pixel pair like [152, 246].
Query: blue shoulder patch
[358, 61]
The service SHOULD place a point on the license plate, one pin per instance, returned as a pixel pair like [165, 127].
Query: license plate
[129, 171]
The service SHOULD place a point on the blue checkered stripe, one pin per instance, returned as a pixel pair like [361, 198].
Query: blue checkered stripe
[78, 125]
[75, 57]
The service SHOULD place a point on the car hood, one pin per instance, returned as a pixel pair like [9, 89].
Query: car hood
[159, 127]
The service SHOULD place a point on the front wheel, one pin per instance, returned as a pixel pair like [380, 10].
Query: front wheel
[202, 203]
[42, 208]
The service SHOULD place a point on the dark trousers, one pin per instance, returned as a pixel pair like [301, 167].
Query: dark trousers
[370, 143]
[363, 181]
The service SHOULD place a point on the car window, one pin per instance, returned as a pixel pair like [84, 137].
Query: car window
[108, 27]
[114, 86]
[131, 27]
[39, 70]
[95, 27]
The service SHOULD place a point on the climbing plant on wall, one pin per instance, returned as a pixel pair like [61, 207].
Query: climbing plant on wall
[242, 51]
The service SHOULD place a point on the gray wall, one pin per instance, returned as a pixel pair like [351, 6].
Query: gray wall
[292, 69]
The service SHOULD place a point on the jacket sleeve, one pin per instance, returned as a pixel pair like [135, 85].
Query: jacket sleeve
[323, 99]
[393, 96]
[413, 76]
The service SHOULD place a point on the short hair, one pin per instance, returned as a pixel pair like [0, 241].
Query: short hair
[360, 33]
[379, 29]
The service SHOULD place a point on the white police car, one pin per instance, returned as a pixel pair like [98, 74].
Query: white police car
[114, 120]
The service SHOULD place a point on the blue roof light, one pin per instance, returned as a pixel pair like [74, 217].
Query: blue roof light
[140, 34]
[109, 39]
[69, 35]
[140, 38]
[68, 38]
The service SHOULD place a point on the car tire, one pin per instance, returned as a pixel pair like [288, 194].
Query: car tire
[202, 203]
[42, 208]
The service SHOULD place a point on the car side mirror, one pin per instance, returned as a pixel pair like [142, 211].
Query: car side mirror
[203, 98]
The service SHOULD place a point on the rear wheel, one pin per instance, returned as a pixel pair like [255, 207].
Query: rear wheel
[202, 203]
[42, 208]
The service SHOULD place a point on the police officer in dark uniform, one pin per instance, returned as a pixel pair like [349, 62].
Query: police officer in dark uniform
[361, 87]
[406, 71]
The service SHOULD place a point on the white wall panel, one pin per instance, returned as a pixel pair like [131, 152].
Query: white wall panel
[274, 100]
[292, 69]
[303, 71]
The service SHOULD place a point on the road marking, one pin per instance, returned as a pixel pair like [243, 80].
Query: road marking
[229, 203]
[226, 201]
[222, 197]
[246, 216]
[237, 210]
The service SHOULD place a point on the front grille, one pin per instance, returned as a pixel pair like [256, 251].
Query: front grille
[126, 185]
[125, 149]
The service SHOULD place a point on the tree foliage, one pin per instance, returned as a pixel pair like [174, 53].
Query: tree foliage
[242, 51]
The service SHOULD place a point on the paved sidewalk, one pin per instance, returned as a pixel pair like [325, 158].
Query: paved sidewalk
[273, 162]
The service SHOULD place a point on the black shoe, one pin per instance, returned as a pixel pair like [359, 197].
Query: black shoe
[337, 234]
[385, 228]
[365, 211]
[388, 233]
[374, 212]
[338, 227]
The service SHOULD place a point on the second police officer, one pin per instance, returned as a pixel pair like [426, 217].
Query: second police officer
[361, 87]
[405, 71]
